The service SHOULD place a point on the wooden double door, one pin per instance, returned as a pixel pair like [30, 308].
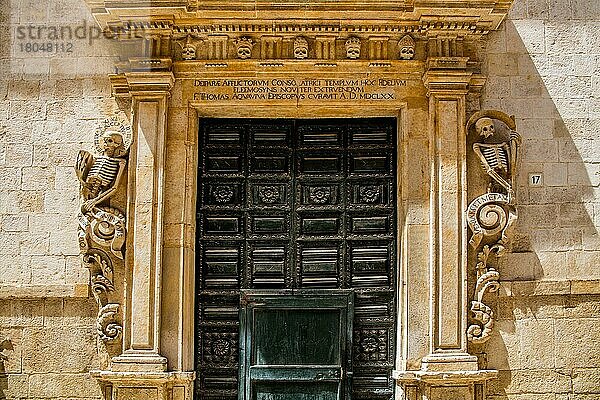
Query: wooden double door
[296, 259]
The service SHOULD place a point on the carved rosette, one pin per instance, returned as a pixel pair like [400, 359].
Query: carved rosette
[491, 216]
[101, 230]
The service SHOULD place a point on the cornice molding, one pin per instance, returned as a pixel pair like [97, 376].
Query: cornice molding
[401, 16]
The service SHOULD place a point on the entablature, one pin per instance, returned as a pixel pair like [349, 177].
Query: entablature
[431, 18]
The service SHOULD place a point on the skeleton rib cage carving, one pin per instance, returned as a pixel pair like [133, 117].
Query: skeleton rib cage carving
[497, 157]
[296, 204]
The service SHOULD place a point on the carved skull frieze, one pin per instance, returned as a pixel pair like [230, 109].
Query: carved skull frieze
[244, 47]
[300, 48]
[407, 48]
[188, 50]
[353, 48]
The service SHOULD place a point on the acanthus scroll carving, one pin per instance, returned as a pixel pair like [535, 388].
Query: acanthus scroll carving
[101, 226]
[491, 215]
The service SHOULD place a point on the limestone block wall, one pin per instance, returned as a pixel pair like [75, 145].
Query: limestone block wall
[543, 67]
[50, 104]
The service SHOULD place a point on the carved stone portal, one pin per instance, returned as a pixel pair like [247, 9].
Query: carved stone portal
[491, 215]
[102, 227]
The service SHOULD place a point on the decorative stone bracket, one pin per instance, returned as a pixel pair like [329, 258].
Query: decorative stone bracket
[490, 216]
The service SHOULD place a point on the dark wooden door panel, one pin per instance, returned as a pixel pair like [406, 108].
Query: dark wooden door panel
[296, 204]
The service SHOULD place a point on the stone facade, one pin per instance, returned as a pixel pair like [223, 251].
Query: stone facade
[541, 66]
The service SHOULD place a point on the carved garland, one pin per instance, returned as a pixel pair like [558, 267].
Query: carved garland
[101, 227]
[491, 215]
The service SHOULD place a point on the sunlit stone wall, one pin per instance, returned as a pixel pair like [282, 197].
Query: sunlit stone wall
[543, 67]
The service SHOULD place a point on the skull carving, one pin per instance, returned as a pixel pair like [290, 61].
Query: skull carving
[485, 127]
[353, 48]
[111, 143]
[300, 48]
[244, 47]
[407, 48]
[188, 50]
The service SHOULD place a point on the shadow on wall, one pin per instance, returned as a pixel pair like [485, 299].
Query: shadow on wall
[541, 69]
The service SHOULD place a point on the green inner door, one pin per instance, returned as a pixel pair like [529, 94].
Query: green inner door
[296, 205]
[296, 344]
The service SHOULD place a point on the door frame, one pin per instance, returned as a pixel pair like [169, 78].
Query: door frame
[399, 110]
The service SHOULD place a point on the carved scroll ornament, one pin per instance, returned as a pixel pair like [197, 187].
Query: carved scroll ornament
[491, 215]
[102, 227]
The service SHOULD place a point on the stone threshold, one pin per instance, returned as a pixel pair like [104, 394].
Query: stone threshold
[549, 288]
[143, 377]
[444, 377]
[79, 290]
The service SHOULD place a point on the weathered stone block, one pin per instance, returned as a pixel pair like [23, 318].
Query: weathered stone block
[61, 201]
[63, 385]
[502, 64]
[14, 386]
[559, 10]
[527, 33]
[47, 270]
[12, 350]
[10, 243]
[539, 381]
[584, 265]
[21, 313]
[36, 178]
[10, 178]
[503, 349]
[24, 90]
[19, 155]
[520, 266]
[586, 381]
[15, 270]
[558, 239]
[539, 151]
[539, 216]
[582, 334]
[29, 201]
[577, 214]
[30, 110]
[14, 223]
[34, 244]
[536, 353]
[537, 307]
[55, 349]
[61, 245]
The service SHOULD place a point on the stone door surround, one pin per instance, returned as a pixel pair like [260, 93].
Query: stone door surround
[417, 65]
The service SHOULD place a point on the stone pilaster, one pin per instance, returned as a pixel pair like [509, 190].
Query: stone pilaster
[141, 370]
[448, 82]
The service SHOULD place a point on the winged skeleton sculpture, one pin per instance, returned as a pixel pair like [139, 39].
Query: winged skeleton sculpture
[491, 215]
[99, 177]
[101, 225]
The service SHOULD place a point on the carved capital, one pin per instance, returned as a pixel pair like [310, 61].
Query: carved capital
[141, 83]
